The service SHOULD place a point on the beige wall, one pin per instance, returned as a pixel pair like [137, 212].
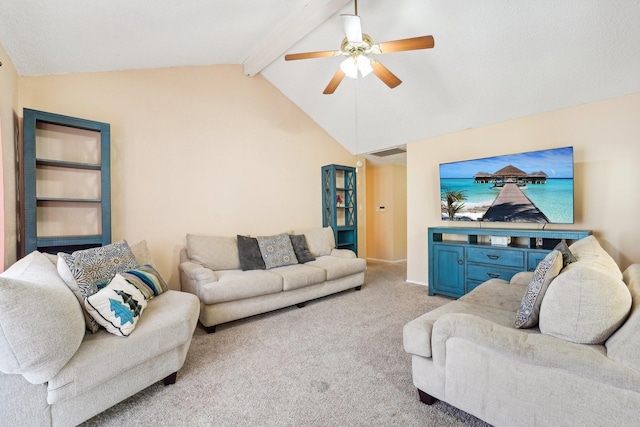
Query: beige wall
[361, 182]
[197, 150]
[9, 123]
[606, 140]
[387, 228]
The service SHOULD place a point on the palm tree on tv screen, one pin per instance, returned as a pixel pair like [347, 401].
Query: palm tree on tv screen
[454, 202]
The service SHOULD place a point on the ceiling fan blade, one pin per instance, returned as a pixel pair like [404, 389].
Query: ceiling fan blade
[423, 42]
[352, 28]
[335, 81]
[308, 55]
[384, 74]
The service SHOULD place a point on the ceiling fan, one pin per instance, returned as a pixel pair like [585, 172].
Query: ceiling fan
[357, 47]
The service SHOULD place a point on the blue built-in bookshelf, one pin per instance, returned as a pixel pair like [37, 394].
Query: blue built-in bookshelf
[462, 258]
[66, 200]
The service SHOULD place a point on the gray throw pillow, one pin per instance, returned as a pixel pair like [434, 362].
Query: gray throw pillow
[567, 255]
[529, 311]
[301, 249]
[249, 253]
[277, 250]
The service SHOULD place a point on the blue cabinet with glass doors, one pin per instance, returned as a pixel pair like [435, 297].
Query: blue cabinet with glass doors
[339, 204]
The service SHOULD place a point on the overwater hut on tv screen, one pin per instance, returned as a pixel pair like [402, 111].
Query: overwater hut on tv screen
[533, 187]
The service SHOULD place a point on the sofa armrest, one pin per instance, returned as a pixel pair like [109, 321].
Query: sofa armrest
[522, 278]
[197, 272]
[529, 347]
[194, 275]
[343, 253]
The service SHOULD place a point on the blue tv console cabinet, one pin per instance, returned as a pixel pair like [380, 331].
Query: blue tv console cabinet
[462, 258]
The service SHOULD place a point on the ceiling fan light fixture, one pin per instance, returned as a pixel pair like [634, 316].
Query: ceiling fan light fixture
[352, 65]
[349, 67]
[364, 65]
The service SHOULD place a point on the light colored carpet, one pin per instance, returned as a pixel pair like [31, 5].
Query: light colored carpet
[338, 361]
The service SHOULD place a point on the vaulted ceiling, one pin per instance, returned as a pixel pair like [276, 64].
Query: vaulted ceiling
[493, 60]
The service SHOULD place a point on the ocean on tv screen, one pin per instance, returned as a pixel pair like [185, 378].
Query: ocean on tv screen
[554, 198]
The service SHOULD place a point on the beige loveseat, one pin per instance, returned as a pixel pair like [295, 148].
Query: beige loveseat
[233, 284]
[580, 365]
[55, 372]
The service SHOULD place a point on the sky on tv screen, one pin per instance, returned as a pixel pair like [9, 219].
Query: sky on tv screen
[556, 163]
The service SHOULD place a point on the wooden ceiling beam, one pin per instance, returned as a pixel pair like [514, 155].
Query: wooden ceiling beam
[291, 31]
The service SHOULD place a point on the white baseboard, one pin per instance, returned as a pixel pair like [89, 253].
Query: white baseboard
[415, 282]
[386, 260]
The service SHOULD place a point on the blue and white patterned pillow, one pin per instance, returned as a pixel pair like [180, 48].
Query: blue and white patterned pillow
[277, 251]
[547, 270]
[87, 270]
[117, 307]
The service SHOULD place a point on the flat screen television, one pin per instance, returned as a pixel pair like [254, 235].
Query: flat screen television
[535, 186]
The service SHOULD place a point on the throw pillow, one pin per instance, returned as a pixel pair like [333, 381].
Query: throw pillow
[589, 249]
[585, 304]
[277, 250]
[117, 307]
[547, 270]
[214, 252]
[319, 240]
[87, 270]
[142, 254]
[147, 280]
[567, 255]
[249, 253]
[303, 254]
[41, 324]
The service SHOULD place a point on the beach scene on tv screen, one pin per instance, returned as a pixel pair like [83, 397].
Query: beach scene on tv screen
[535, 186]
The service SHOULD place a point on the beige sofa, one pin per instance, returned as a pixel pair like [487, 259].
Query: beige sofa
[211, 268]
[55, 372]
[580, 365]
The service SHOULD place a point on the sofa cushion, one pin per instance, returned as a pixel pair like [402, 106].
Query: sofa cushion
[585, 304]
[147, 280]
[249, 253]
[277, 250]
[299, 276]
[336, 267]
[319, 240]
[117, 307]
[589, 250]
[87, 270]
[300, 247]
[624, 345]
[495, 300]
[547, 269]
[41, 322]
[167, 323]
[237, 284]
[214, 252]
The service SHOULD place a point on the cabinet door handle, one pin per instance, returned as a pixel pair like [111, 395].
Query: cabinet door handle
[493, 256]
[460, 262]
[493, 275]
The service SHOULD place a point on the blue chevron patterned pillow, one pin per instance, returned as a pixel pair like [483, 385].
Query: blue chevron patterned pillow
[147, 280]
